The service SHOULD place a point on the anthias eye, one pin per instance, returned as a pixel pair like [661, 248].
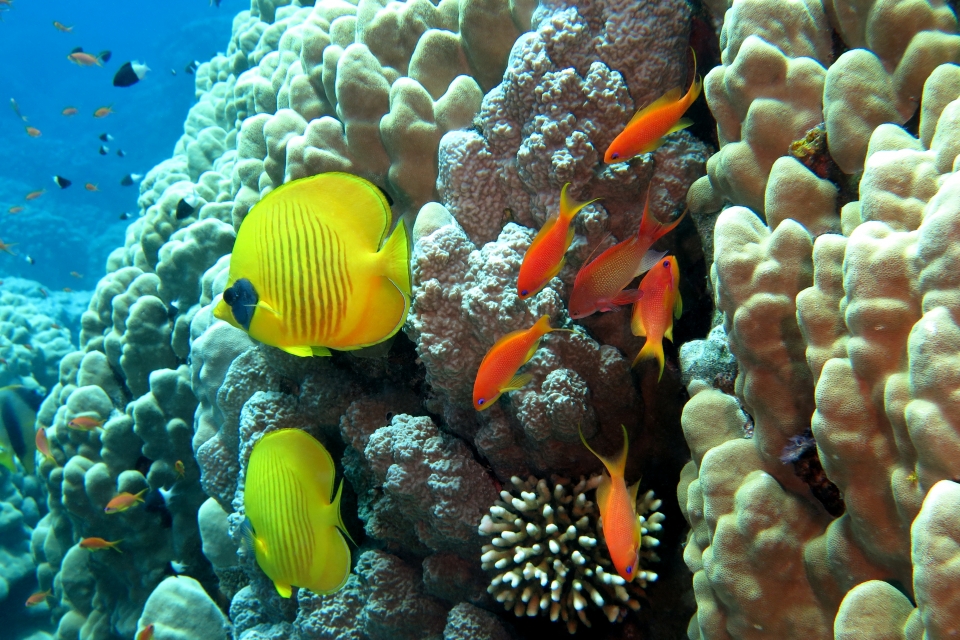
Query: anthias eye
[481, 401]
[524, 292]
[629, 570]
[666, 264]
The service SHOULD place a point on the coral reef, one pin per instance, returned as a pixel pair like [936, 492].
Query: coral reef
[432, 102]
[837, 317]
[549, 539]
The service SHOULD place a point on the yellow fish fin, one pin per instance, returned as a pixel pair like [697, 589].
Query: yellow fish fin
[666, 99]
[677, 308]
[395, 256]
[517, 381]
[320, 351]
[285, 590]
[632, 490]
[331, 552]
[6, 459]
[636, 324]
[615, 466]
[682, 123]
[302, 352]
[603, 493]
[652, 349]
[570, 208]
[266, 307]
[668, 333]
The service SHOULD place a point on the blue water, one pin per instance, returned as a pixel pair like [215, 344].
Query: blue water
[74, 230]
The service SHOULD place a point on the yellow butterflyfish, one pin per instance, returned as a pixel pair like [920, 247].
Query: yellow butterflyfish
[292, 527]
[313, 268]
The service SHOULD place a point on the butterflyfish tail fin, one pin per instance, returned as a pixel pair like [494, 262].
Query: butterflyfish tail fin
[335, 505]
[569, 208]
[285, 590]
[652, 349]
[617, 466]
[396, 259]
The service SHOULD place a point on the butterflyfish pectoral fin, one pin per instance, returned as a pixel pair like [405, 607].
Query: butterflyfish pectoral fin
[322, 352]
[266, 307]
[248, 537]
[517, 382]
[285, 590]
[302, 352]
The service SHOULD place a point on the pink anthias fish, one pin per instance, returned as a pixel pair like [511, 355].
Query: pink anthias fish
[599, 284]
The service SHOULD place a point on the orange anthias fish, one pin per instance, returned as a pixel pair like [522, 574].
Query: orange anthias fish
[646, 130]
[618, 508]
[76, 275]
[83, 59]
[93, 544]
[43, 443]
[146, 634]
[599, 284]
[38, 598]
[123, 501]
[85, 423]
[6, 247]
[33, 132]
[654, 312]
[90, 187]
[62, 27]
[546, 255]
[16, 209]
[33, 195]
[69, 111]
[103, 112]
[180, 469]
[498, 369]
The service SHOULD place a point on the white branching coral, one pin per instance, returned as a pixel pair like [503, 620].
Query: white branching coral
[550, 558]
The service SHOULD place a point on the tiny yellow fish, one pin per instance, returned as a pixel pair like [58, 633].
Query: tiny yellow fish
[313, 268]
[292, 527]
[179, 468]
[103, 112]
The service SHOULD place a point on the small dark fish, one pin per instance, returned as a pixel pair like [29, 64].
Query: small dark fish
[130, 74]
[62, 182]
[125, 216]
[215, 3]
[32, 261]
[172, 311]
[121, 153]
[104, 56]
[186, 206]
[104, 149]
[106, 137]
[131, 178]
[190, 68]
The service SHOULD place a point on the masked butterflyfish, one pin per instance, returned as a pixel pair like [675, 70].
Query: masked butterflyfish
[291, 526]
[18, 413]
[314, 268]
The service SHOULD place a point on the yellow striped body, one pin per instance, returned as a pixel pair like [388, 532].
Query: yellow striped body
[312, 251]
[287, 493]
